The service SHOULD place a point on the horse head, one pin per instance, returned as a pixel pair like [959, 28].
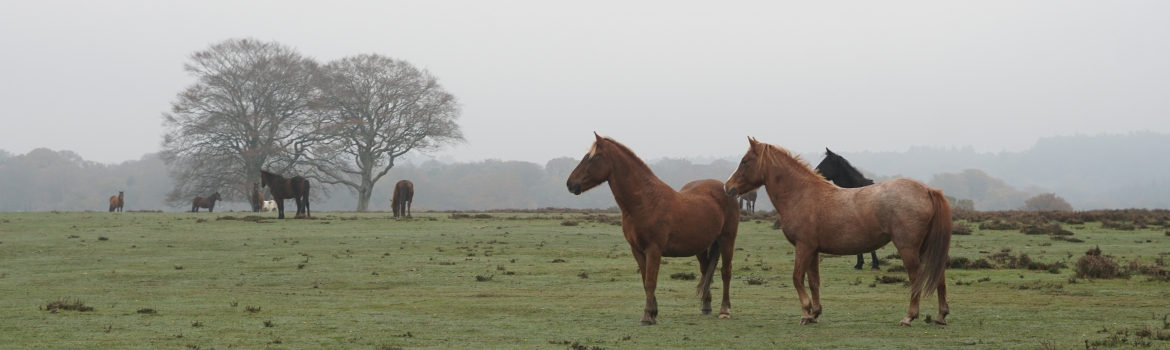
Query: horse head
[830, 167]
[215, 196]
[267, 178]
[594, 169]
[750, 174]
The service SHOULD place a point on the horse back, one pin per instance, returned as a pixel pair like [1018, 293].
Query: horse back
[858, 220]
[700, 211]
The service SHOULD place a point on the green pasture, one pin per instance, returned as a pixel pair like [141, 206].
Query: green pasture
[367, 281]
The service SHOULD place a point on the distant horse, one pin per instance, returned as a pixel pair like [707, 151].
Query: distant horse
[403, 196]
[819, 218]
[838, 170]
[701, 220]
[268, 206]
[209, 203]
[296, 188]
[747, 201]
[257, 197]
[116, 202]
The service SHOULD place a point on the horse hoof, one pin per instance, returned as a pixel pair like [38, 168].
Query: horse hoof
[906, 322]
[807, 320]
[940, 322]
[724, 315]
[857, 267]
[706, 312]
[646, 323]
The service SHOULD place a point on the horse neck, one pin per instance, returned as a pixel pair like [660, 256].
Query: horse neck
[633, 183]
[786, 185]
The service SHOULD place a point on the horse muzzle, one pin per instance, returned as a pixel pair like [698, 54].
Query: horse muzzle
[574, 188]
[732, 191]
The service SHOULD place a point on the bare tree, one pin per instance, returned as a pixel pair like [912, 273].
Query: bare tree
[247, 111]
[373, 109]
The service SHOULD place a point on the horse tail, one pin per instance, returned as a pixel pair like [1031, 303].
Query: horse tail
[933, 252]
[709, 270]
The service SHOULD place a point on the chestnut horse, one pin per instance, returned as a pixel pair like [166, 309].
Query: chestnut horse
[257, 197]
[820, 217]
[209, 203]
[838, 170]
[296, 188]
[116, 202]
[403, 196]
[700, 220]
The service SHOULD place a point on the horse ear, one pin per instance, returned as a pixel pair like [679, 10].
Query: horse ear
[828, 152]
[599, 138]
[752, 141]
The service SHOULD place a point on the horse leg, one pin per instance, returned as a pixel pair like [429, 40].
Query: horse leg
[650, 283]
[873, 256]
[280, 208]
[860, 262]
[408, 209]
[804, 255]
[704, 257]
[640, 258]
[910, 260]
[944, 309]
[300, 209]
[814, 285]
[727, 247]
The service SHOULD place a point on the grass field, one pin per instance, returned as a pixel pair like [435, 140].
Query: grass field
[365, 281]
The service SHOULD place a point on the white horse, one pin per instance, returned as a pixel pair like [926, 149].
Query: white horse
[268, 206]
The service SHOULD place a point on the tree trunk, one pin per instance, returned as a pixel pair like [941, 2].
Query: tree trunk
[363, 199]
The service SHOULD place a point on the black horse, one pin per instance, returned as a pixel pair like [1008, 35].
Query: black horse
[838, 170]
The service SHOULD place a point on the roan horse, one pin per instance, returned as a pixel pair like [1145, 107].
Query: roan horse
[281, 188]
[209, 203]
[403, 196]
[700, 220]
[116, 202]
[257, 197]
[838, 170]
[819, 218]
[747, 201]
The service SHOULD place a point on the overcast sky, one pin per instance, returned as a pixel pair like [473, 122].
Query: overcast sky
[669, 79]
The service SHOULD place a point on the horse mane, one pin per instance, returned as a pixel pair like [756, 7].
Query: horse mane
[776, 156]
[633, 156]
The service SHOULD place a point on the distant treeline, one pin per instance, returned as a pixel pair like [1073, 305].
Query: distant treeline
[1090, 172]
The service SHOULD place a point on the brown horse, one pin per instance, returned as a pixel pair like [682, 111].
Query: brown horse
[296, 188]
[257, 197]
[116, 202]
[403, 196]
[700, 220]
[209, 203]
[820, 217]
[747, 201]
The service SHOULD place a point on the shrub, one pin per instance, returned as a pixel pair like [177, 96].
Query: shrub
[1046, 202]
[961, 229]
[999, 225]
[1095, 265]
[66, 304]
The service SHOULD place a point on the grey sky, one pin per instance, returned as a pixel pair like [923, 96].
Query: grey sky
[669, 79]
